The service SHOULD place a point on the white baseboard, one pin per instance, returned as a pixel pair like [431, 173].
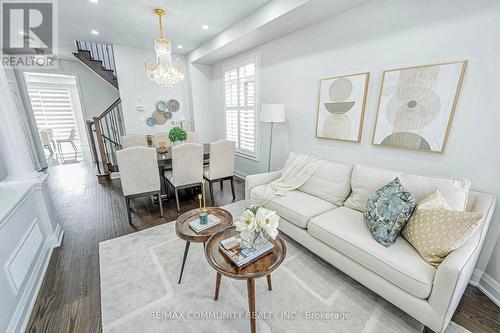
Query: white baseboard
[476, 277]
[487, 285]
[56, 239]
[21, 315]
[240, 174]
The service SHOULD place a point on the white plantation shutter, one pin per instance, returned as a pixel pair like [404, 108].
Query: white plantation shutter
[240, 105]
[53, 109]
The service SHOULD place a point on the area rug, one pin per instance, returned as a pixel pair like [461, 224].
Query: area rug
[139, 292]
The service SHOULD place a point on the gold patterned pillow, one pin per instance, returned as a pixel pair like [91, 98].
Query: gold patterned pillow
[433, 201]
[434, 233]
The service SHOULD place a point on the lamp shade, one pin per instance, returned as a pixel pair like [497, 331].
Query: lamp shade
[272, 113]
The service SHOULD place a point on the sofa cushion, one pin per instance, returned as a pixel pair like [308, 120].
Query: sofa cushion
[434, 233]
[367, 180]
[387, 211]
[330, 182]
[344, 230]
[296, 207]
[454, 190]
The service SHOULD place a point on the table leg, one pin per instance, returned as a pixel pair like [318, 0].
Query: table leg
[217, 285]
[269, 283]
[251, 304]
[186, 250]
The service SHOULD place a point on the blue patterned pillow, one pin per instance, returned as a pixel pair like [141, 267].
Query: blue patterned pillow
[387, 212]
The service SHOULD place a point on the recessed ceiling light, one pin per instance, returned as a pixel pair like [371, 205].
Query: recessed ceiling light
[94, 1]
[180, 46]
[95, 32]
[204, 27]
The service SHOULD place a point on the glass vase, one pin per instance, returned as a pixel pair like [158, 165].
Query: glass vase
[254, 239]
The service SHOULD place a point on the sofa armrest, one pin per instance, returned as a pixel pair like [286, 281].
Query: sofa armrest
[259, 179]
[454, 273]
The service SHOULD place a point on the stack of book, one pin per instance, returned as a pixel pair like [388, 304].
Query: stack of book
[241, 256]
[198, 227]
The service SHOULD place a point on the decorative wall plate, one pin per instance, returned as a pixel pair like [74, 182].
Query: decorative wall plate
[161, 106]
[159, 117]
[173, 105]
[151, 121]
[168, 115]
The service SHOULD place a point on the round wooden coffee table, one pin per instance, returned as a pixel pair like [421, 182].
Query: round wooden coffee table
[263, 266]
[184, 231]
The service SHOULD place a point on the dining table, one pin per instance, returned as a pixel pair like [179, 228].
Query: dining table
[165, 163]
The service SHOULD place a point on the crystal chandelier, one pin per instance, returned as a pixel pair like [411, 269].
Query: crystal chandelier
[164, 72]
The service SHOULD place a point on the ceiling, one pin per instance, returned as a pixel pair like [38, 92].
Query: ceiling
[133, 23]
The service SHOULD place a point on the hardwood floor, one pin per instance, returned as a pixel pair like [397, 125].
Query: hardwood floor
[89, 213]
[477, 313]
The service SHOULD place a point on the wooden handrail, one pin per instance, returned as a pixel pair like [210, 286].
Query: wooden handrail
[100, 143]
[108, 110]
[108, 126]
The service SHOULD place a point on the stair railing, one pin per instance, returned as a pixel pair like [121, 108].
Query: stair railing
[98, 51]
[105, 132]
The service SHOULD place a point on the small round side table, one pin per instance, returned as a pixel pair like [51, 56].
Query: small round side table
[261, 267]
[184, 231]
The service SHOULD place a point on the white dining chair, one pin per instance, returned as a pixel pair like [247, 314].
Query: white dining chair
[44, 136]
[187, 168]
[221, 166]
[139, 175]
[192, 137]
[134, 140]
[70, 139]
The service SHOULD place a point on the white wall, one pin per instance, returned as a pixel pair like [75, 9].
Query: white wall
[134, 84]
[203, 112]
[382, 35]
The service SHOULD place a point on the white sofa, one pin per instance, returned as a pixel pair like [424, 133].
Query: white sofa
[326, 216]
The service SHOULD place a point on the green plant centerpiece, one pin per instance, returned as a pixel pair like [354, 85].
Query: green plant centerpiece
[177, 134]
[256, 225]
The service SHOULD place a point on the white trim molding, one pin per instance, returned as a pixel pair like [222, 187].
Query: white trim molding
[21, 315]
[21, 260]
[487, 285]
[29, 233]
[241, 175]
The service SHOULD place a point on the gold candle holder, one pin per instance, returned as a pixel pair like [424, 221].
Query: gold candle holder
[203, 215]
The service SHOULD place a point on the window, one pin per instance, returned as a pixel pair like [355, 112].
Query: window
[53, 108]
[240, 105]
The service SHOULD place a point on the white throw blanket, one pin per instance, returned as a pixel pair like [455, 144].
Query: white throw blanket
[293, 176]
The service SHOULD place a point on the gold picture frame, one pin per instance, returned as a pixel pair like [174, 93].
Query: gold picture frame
[409, 140]
[338, 124]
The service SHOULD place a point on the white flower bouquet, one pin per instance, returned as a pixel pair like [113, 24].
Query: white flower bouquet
[256, 224]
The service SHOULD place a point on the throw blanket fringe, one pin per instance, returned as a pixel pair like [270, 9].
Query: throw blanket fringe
[293, 176]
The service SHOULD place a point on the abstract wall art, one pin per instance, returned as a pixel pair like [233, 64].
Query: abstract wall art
[341, 107]
[416, 106]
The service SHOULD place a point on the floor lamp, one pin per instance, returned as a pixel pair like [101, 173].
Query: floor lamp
[272, 113]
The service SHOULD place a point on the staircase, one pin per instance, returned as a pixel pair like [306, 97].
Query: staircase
[99, 58]
[104, 131]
